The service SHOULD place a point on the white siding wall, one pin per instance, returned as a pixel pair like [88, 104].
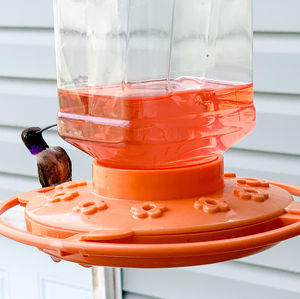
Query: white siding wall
[28, 96]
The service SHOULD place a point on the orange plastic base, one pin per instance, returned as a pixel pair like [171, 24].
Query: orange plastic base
[176, 183]
[145, 224]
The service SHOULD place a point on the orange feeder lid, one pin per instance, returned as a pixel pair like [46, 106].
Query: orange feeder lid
[157, 218]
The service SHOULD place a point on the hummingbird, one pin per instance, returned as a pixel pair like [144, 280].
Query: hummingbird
[54, 164]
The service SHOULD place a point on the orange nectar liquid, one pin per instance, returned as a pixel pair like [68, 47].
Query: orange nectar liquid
[145, 126]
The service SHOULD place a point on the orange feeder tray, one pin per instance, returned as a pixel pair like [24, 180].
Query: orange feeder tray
[157, 218]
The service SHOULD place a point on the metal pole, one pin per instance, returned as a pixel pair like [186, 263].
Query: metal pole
[107, 283]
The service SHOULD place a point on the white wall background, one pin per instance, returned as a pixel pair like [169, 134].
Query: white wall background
[28, 97]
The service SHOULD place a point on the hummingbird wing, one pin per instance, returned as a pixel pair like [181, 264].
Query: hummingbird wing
[66, 160]
[54, 166]
[42, 176]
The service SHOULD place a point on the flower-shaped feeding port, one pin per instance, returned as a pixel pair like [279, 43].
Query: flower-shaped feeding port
[64, 192]
[63, 196]
[89, 207]
[71, 185]
[253, 182]
[148, 209]
[229, 175]
[251, 194]
[211, 205]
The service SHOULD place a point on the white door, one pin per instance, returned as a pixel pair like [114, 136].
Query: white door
[26, 273]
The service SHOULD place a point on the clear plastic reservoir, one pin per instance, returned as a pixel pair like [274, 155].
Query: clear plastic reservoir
[152, 84]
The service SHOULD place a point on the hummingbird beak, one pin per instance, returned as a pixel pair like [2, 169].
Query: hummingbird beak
[44, 129]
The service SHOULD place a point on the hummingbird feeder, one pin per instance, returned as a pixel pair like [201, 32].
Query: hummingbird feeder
[155, 92]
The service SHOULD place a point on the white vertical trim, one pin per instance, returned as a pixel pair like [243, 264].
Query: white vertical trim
[107, 283]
